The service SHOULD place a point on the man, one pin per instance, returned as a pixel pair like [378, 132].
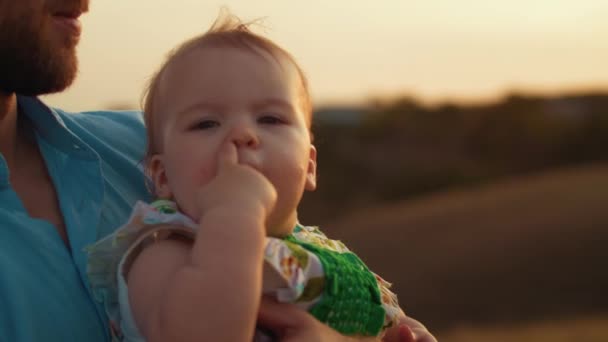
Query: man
[65, 181]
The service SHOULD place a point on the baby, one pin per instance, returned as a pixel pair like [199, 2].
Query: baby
[230, 155]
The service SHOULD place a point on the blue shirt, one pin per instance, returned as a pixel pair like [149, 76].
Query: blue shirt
[94, 160]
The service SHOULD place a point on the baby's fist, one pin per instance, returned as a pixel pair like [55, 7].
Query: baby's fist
[237, 187]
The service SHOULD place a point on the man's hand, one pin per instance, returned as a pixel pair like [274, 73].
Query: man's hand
[399, 333]
[408, 330]
[291, 324]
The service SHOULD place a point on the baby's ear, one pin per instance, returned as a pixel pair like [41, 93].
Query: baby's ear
[157, 172]
[311, 172]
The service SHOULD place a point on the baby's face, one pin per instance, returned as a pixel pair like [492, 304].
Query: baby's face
[213, 95]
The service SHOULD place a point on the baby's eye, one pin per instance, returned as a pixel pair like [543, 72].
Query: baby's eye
[270, 119]
[205, 124]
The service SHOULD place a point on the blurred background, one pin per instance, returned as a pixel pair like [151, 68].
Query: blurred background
[463, 145]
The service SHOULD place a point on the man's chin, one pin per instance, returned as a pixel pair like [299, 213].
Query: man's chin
[37, 59]
[43, 84]
[55, 76]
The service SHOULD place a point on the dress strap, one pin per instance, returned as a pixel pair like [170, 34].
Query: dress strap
[153, 234]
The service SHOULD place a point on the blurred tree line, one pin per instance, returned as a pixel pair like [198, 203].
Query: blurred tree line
[401, 149]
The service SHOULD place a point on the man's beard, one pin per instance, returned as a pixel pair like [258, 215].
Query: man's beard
[30, 64]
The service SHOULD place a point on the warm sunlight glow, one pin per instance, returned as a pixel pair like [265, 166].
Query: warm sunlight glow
[354, 50]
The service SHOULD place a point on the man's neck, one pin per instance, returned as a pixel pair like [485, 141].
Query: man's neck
[8, 126]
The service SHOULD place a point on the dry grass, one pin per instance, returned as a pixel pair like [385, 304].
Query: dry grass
[579, 330]
[529, 248]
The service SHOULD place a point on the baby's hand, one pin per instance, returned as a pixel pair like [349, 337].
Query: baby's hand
[236, 187]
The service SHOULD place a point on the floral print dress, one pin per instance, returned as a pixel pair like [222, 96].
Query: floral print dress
[311, 268]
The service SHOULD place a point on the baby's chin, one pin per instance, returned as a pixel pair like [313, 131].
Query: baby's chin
[278, 232]
[280, 235]
[280, 226]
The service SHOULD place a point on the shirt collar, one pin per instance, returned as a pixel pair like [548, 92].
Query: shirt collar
[4, 175]
[51, 127]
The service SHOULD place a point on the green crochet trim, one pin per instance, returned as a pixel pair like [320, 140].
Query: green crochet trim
[351, 301]
[164, 206]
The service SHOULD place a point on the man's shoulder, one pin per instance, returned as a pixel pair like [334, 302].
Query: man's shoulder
[119, 139]
[120, 131]
[125, 121]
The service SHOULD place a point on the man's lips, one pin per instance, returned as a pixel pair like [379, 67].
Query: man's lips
[69, 21]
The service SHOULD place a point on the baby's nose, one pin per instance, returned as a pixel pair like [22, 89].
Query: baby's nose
[244, 136]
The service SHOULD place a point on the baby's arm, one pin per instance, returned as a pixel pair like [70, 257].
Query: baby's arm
[209, 290]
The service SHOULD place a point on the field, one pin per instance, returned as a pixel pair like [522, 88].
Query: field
[579, 330]
[529, 249]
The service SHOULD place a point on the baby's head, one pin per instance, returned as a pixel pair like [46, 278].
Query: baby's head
[230, 84]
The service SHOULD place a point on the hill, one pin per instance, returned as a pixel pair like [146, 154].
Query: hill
[530, 247]
[584, 329]
[404, 149]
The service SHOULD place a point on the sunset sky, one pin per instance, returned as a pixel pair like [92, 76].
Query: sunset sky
[356, 50]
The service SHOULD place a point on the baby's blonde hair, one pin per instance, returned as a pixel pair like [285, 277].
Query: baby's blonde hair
[226, 31]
